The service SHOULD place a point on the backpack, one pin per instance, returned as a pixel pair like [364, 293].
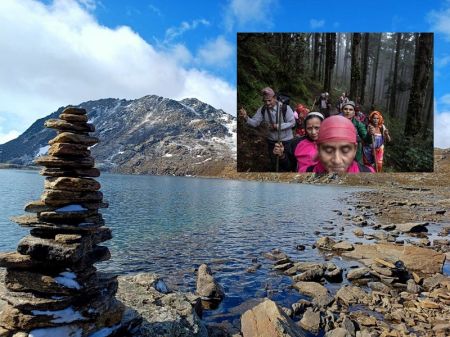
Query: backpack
[284, 99]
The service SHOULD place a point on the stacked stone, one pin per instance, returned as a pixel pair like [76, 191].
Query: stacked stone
[52, 286]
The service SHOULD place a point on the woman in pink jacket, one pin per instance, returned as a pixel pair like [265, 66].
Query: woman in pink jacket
[302, 151]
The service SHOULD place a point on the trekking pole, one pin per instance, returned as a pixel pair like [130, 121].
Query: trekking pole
[312, 106]
[277, 164]
[373, 153]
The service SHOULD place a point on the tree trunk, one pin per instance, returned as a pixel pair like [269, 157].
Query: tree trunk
[375, 70]
[422, 69]
[316, 55]
[356, 67]
[330, 60]
[392, 105]
[365, 66]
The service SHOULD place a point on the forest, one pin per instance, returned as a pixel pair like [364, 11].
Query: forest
[388, 72]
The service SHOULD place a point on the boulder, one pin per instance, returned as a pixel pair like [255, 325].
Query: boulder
[207, 286]
[351, 295]
[423, 261]
[412, 227]
[312, 289]
[343, 246]
[310, 321]
[358, 273]
[268, 320]
[325, 243]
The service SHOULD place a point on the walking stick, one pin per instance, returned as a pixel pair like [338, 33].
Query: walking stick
[312, 107]
[277, 164]
[373, 154]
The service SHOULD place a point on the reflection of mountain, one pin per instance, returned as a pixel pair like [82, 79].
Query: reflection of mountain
[152, 135]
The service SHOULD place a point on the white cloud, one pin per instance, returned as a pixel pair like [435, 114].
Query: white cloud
[440, 21]
[217, 52]
[7, 136]
[174, 32]
[316, 23]
[248, 13]
[442, 61]
[59, 54]
[155, 10]
[445, 99]
[442, 130]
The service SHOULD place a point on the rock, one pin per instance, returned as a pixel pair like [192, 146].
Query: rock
[312, 289]
[51, 161]
[416, 259]
[276, 255]
[300, 247]
[323, 301]
[334, 275]
[310, 321]
[268, 320]
[358, 232]
[302, 267]
[358, 273]
[325, 243]
[434, 281]
[412, 227]
[67, 126]
[173, 314]
[69, 172]
[74, 118]
[72, 184]
[343, 246]
[207, 286]
[69, 137]
[348, 325]
[300, 306]
[388, 227]
[412, 287]
[253, 268]
[380, 287]
[338, 332]
[63, 198]
[74, 111]
[283, 267]
[314, 274]
[351, 295]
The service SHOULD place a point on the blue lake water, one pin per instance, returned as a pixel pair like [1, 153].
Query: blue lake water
[170, 225]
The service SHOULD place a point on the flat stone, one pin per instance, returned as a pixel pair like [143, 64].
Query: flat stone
[423, 261]
[69, 137]
[66, 217]
[51, 161]
[74, 111]
[310, 321]
[283, 267]
[343, 246]
[69, 150]
[382, 270]
[334, 275]
[412, 227]
[434, 281]
[72, 172]
[312, 289]
[302, 267]
[73, 117]
[380, 287]
[412, 287]
[276, 255]
[89, 224]
[358, 273]
[338, 332]
[63, 125]
[268, 320]
[72, 184]
[351, 295]
[63, 198]
[310, 275]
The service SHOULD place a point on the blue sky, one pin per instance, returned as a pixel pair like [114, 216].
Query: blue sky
[55, 53]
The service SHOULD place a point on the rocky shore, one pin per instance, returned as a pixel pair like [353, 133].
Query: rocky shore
[391, 280]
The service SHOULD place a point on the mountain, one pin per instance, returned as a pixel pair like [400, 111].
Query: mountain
[150, 135]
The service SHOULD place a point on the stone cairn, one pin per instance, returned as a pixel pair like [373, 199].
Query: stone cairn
[52, 287]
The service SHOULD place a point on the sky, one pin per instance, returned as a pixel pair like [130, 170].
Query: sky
[59, 52]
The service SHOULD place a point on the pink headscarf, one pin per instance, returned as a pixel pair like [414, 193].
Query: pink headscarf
[337, 129]
[267, 91]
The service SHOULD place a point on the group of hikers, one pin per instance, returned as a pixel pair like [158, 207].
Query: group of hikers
[319, 141]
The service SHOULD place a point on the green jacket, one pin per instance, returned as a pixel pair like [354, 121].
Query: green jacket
[362, 136]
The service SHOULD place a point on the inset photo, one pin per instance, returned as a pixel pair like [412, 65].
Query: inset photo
[335, 102]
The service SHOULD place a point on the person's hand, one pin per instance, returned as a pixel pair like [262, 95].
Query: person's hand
[278, 150]
[387, 135]
[243, 113]
[371, 130]
[274, 126]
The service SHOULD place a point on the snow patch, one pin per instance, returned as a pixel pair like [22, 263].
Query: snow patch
[42, 151]
[208, 159]
[67, 315]
[168, 155]
[71, 208]
[61, 331]
[68, 280]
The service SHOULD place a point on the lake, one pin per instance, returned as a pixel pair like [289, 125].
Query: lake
[170, 225]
